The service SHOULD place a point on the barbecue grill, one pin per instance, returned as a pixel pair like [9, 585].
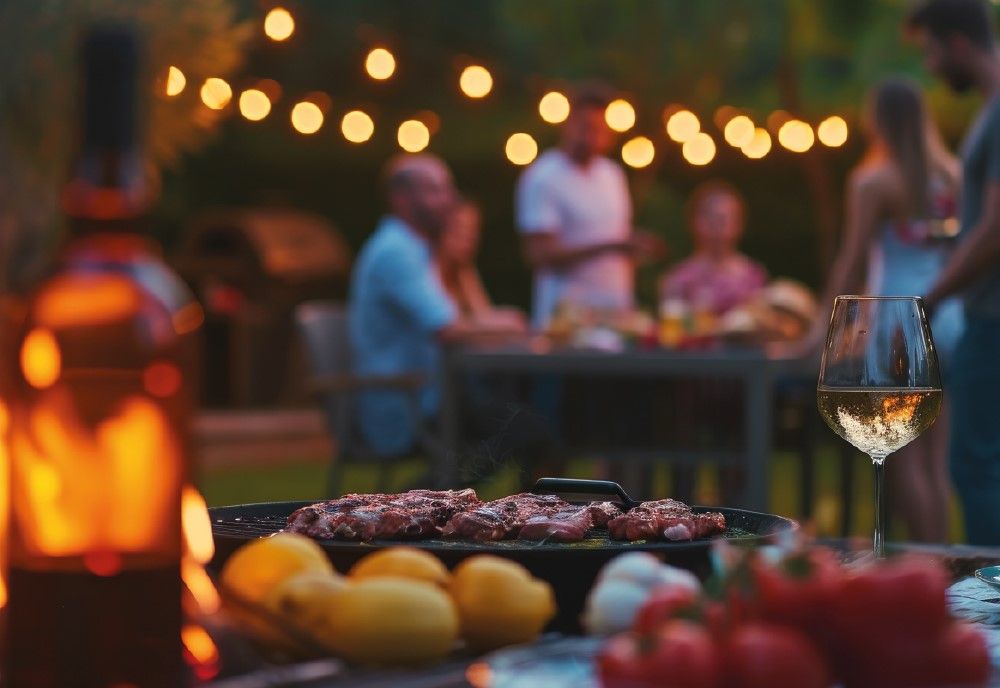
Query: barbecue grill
[569, 567]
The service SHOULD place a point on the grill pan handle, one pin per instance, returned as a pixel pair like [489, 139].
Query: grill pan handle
[581, 488]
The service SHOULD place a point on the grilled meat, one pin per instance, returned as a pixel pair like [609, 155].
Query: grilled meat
[602, 512]
[411, 515]
[426, 514]
[570, 524]
[502, 518]
[666, 519]
[566, 526]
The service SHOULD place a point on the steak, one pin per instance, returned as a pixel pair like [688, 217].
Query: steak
[602, 512]
[570, 524]
[416, 514]
[502, 518]
[665, 519]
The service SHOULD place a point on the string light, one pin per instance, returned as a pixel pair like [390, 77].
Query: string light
[216, 93]
[254, 104]
[739, 131]
[554, 107]
[638, 152]
[307, 118]
[413, 136]
[620, 115]
[759, 145]
[796, 136]
[682, 126]
[521, 149]
[699, 149]
[832, 131]
[176, 81]
[475, 81]
[357, 126]
[380, 64]
[279, 24]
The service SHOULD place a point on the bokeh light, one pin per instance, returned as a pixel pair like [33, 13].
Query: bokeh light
[521, 148]
[413, 136]
[41, 360]
[475, 81]
[759, 145]
[620, 115]
[307, 118]
[279, 24]
[796, 136]
[554, 107]
[216, 93]
[699, 149]
[638, 152]
[380, 64]
[254, 104]
[682, 126]
[357, 126]
[832, 131]
[176, 81]
[739, 131]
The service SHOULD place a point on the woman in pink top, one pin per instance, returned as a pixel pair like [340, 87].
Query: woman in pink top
[717, 276]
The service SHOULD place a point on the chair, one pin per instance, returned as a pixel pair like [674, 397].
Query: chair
[323, 328]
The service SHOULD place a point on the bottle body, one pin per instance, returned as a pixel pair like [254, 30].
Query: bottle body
[99, 402]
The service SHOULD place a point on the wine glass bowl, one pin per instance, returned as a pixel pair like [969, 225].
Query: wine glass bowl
[879, 384]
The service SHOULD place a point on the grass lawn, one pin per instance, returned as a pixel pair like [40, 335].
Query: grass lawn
[306, 480]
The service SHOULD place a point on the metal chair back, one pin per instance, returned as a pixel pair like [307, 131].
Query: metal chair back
[325, 334]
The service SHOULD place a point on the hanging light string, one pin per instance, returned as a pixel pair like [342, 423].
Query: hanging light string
[307, 115]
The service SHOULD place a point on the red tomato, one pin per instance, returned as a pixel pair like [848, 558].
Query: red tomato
[961, 657]
[717, 617]
[682, 655]
[906, 594]
[896, 660]
[760, 655]
[799, 590]
[953, 655]
[619, 664]
[664, 604]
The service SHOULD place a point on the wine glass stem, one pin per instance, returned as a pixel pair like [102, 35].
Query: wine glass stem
[879, 464]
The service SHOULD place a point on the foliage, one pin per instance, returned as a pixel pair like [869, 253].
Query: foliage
[37, 97]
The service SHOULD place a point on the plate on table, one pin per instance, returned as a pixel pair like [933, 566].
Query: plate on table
[552, 662]
[990, 575]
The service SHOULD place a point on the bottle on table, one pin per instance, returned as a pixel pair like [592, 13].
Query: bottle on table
[97, 397]
[672, 327]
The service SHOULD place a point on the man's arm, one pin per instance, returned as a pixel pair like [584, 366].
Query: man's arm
[468, 330]
[545, 250]
[976, 254]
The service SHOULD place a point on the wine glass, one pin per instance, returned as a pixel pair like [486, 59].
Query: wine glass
[879, 385]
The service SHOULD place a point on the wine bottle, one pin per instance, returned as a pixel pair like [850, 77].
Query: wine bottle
[98, 396]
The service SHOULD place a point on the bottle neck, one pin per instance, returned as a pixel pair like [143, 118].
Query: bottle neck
[107, 192]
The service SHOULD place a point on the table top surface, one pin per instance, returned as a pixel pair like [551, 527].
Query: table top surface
[523, 357]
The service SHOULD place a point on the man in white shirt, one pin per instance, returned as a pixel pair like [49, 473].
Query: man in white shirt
[575, 215]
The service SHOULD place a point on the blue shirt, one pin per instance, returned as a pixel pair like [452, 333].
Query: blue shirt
[397, 306]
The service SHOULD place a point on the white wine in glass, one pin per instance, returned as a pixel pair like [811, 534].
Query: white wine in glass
[879, 386]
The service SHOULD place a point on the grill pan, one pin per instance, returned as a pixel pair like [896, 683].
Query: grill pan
[569, 567]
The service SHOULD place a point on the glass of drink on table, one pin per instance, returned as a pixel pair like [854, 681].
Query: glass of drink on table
[879, 385]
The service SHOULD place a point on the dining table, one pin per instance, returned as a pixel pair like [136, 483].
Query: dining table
[755, 371]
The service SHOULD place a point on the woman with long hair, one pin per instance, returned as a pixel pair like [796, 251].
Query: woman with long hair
[901, 201]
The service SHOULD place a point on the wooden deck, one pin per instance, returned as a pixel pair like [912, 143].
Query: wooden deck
[256, 437]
